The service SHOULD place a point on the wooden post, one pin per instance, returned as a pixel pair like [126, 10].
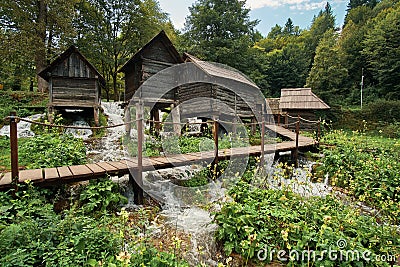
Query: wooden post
[253, 126]
[262, 136]
[157, 124]
[14, 149]
[279, 119]
[128, 126]
[286, 120]
[138, 182]
[319, 130]
[215, 137]
[176, 119]
[96, 112]
[296, 153]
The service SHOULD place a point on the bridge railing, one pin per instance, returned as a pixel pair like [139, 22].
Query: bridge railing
[139, 121]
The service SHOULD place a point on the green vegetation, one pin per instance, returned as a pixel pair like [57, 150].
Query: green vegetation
[265, 219]
[258, 219]
[21, 102]
[367, 167]
[44, 151]
[88, 233]
[379, 118]
[50, 150]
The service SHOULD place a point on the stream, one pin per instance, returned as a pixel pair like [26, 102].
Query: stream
[177, 213]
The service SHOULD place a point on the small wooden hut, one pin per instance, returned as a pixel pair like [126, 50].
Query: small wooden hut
[74, 83]
[301, 101]
[242, 102]
[158, 54]
[199, 80]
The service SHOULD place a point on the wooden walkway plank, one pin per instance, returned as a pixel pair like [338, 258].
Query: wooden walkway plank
[121, 167]
[129, 164]
[107, 167]
[65, 172]
[96, 169]
[6, 179]
[32, 175]
[51, 174]
[81, 171]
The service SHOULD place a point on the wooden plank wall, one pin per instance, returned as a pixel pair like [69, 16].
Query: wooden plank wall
[71, 91]
[73, 66]
[153, 60]
[73, 83]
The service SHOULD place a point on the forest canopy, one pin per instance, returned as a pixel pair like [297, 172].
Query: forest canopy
[325, 56]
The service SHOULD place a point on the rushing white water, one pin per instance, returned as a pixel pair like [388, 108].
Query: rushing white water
[80, 133]
[23, 128]
[176, 213]
[109, 147]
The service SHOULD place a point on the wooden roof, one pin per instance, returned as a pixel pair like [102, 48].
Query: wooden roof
[161, 37]
[273, 104]
[300, 98]
[46, 73]
[219, 70]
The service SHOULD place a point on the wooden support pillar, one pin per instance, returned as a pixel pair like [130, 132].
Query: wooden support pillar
[262, 136]
[14, 149]
[137, 188]
[296, 151]
[253, 125]
[157, 124]
[128, 126]
[50, 114]
[176, 119]
[279, 119]
[96, 111]
[286, 120]
[215, 137]
[234, 126]
[138, 174]
[319, 131]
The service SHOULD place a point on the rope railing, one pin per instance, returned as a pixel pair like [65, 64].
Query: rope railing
[52, 125]
[215, 122]
[304, 121]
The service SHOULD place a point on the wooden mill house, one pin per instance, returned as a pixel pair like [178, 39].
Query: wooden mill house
[160, 54]
[74, 83]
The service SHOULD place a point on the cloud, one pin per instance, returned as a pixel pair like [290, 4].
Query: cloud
[292, 4]
[308, 6]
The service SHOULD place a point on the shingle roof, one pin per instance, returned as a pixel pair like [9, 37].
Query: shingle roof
[60, 59]
[219, 70]
[300, 98]
[167, 43]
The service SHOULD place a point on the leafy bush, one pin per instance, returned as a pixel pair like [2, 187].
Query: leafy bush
[101, 196]
[367, 167]
[52, 150]
[33, 234]
[264, 219]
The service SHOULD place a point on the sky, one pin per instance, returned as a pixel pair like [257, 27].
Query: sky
[269, 12]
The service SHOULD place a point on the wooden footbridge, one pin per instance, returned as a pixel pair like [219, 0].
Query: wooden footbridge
[135, 166]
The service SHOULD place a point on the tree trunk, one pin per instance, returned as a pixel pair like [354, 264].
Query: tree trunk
[116, 93]
[40, 55]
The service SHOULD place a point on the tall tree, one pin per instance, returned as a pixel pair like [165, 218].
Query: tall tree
[289, 27]
[112, 30]
[356, 3]
[221, 31]
[42, 25]
[382, 50]
[328, 71]
[324, 22]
